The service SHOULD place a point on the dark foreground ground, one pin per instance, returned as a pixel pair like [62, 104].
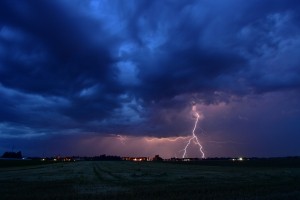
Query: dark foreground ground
[279, 179]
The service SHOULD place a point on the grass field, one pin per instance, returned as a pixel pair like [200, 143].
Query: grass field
[150, 180]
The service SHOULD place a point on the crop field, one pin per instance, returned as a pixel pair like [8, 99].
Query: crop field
[150, 180]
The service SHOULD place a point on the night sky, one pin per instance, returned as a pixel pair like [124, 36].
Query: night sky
[92, 77]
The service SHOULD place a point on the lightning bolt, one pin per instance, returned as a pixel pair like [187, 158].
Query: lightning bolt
[122, 138]
[171, 139]
[194, 138]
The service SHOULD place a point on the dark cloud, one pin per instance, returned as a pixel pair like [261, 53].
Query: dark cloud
[205, 47]
[137, 67]
[50, 49]
[55, 45]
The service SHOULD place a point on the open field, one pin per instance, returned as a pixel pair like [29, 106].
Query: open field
[151, 180]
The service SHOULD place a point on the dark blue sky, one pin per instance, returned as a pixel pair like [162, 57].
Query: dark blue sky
[121, 77]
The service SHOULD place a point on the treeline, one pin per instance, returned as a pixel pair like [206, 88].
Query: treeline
[15, 155]
[103, 158]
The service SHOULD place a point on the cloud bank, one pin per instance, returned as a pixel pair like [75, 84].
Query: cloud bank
[136, 68]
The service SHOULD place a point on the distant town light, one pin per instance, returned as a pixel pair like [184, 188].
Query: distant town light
[238, 159]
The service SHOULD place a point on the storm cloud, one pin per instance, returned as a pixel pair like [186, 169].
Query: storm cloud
[135, 68]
